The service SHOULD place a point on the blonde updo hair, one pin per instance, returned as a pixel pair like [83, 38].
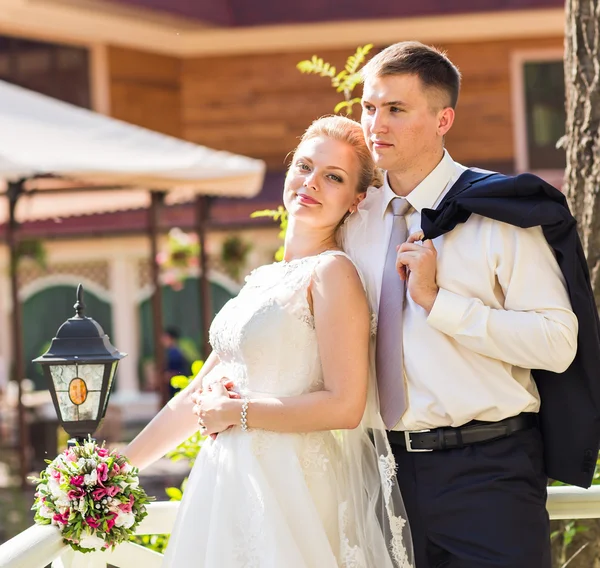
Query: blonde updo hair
[344, 129]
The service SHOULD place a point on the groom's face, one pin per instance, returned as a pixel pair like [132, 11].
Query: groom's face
[400, 120]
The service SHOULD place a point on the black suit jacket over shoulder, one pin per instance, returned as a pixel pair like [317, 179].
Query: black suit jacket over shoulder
[570, 401]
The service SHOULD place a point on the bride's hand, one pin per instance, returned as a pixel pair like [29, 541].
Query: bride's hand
[217, 409]
[197, 395]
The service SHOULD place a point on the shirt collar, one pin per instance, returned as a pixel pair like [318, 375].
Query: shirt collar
[426, 194]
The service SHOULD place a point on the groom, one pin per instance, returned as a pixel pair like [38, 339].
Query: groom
[463, 319]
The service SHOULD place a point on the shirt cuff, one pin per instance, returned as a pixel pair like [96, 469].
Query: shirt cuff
[448, 311]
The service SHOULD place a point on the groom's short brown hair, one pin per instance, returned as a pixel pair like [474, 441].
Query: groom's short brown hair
[431, 65]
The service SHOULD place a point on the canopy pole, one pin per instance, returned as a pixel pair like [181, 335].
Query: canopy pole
[205, 304]
[157, 199]
[15, 189]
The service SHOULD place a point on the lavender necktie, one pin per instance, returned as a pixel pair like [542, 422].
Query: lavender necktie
[389, 360]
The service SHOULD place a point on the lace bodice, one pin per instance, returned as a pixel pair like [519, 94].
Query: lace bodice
[265, 337]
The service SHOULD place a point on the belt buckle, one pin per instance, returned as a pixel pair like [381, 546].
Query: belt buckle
[409, 447]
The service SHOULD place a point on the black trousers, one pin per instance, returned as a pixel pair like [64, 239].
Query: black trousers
[481, 506]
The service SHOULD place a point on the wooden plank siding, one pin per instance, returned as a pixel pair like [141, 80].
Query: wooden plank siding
[258, 105]
[145, 89]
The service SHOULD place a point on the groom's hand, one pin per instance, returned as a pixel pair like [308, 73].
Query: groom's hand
[417, 264]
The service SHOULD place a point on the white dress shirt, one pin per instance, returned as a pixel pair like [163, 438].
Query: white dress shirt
[502, 310]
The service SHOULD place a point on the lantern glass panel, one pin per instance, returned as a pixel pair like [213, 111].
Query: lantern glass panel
[113, 370]
[92, 375]
[68, 411]
[62, 375]
[89, 409]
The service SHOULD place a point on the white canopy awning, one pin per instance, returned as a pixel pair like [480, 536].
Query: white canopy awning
[40, 135]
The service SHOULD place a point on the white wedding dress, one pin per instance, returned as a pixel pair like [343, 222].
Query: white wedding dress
[260, 499]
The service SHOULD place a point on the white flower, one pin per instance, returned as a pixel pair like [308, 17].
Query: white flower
[92, 464]
[123, 484]
[126, 468]
[45, 512]
[124, 520]
[134, 483]
[90, 478]
[62, 500]
[89, 540]
[54, 487]
[81, 506]
[81, 462]
[58, 495]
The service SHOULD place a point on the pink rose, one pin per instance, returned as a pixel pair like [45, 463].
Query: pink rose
[102, 471]
[55, 474]
[113, 490]
[77, 480]
[102, 452]
[110, 521]
[126, 507]
[91, 522]
[63, 519]
[116, 469]
[75, 494]
[99, 493]
[70, 456]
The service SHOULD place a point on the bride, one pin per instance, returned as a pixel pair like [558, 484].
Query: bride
[296, 472]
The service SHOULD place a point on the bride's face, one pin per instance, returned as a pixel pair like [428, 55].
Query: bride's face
[320, 186]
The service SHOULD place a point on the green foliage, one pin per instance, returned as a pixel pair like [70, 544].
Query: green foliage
[156, 542]
[233, 255]
[279, 214]
[32, 249]
[568, 529]
[189, 348]
[343, 82]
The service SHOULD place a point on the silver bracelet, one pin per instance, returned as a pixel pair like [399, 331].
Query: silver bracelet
[244, 416]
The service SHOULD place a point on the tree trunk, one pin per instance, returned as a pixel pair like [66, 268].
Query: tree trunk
[582, 184]
[582, 137]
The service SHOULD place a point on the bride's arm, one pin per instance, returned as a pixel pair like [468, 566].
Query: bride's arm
[342, 322]
[171, 426]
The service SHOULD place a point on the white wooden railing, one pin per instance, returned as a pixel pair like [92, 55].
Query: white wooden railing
[39, 546]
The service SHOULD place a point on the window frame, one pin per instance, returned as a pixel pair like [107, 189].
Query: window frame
[98, 66]
[521, 152]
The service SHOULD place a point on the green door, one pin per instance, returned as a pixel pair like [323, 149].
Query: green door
[180, 310]
[45, 312]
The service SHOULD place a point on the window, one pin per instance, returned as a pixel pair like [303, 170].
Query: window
[539, 106]
[59, 71]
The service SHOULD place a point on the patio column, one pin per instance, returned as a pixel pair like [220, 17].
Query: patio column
[5, 311]
[123, 287]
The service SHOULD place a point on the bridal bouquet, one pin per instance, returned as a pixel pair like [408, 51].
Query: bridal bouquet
[92, 495]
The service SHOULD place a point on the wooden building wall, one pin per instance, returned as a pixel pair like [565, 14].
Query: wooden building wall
[145, 89]
[258, 105]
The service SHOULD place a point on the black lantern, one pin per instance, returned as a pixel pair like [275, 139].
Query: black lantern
[80, 367]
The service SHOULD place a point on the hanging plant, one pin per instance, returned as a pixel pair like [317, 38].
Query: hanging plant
[32, 250]
[234, 253]
[179, 260]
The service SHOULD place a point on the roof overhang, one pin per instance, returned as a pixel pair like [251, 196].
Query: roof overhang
[85, 24]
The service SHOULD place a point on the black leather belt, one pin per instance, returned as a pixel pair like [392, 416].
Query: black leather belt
[474, 432]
